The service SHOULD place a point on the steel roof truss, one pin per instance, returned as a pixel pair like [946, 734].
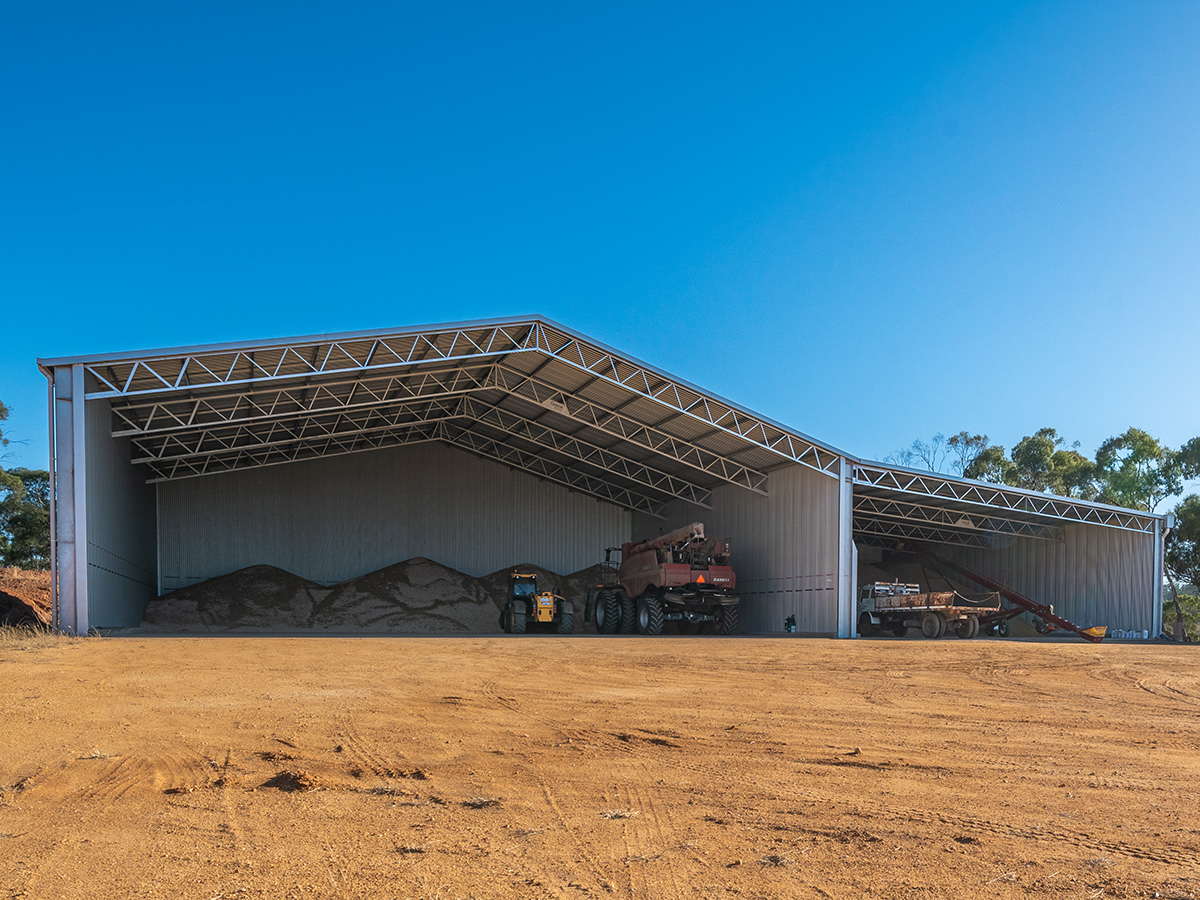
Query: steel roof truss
[180, 414]
[192, 467]
[999, 497]
[574, 407]
[654, 386]
[287, 361]
[573, 447]
[978, 521]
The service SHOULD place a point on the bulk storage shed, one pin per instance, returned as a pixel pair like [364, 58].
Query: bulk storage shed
[478, 444]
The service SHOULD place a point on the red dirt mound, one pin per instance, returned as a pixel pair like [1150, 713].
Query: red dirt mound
[25, 597]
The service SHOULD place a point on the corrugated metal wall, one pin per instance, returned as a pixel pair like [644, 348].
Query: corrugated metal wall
[785, 547]
[121, 549]
[1097, 576]
[335, 518]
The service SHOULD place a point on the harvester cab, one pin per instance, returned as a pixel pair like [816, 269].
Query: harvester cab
[527, 606]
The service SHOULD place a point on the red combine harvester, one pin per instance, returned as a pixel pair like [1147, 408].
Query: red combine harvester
[679, 577]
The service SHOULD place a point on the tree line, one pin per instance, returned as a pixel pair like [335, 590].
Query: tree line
[1133, 469]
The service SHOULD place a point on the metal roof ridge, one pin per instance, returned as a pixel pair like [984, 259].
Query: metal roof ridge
[959, 479]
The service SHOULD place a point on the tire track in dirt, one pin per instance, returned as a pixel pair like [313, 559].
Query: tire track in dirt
[364, 752]
[177, 771]
[598, 875]
[1180, 856]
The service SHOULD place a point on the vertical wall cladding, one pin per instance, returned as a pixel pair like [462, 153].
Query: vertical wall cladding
[121, 550]
[785, 547]
[1097, 576]
[336, 518]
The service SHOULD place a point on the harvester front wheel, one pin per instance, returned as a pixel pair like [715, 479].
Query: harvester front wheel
[649, 614]
[729, 619]
[608, 613]
[628, 612]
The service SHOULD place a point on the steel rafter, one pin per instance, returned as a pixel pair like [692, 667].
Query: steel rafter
[930, 484]
[868, 507]
[677, 396]
[304, 359]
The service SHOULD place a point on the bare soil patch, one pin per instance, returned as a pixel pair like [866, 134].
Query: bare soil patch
[598, 767]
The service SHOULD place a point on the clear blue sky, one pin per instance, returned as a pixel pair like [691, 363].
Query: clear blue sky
[870, 222]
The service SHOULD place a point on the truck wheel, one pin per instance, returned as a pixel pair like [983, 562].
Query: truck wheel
[649, 614]
[967, 628]
[932, 625]
[566, 623]
[516, 618]
[866, 627]
[900, 629]
[628, 612]
[728, 619]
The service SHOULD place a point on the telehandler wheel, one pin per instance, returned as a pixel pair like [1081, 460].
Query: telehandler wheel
[628, 612]
[505, 618]
[932, 625]
[566, 623]
[728, 619]
[516, 618]
[649, 614]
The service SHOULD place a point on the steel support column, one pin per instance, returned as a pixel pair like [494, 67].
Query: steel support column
[71, 501]
[1156, 618]
[847, 576]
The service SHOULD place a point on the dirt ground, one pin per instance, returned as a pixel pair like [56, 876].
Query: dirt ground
[598, 767]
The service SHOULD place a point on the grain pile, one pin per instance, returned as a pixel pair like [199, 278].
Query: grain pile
[25, 597]
[417, 596]
[258, 598]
